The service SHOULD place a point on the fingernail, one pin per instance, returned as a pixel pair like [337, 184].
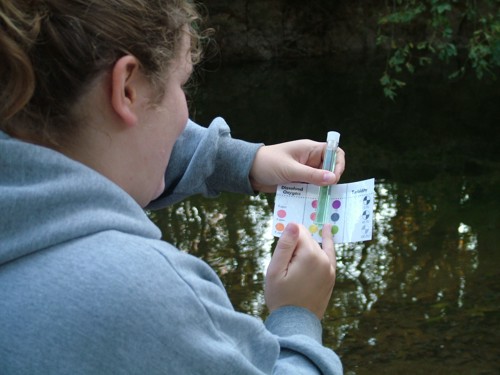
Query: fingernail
[329, 176]
[291, 229]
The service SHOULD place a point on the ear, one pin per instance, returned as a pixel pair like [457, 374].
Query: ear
[124, 89]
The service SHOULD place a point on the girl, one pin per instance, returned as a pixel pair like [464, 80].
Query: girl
[93, 127]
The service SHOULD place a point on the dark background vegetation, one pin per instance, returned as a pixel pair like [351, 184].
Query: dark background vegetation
[459, 37]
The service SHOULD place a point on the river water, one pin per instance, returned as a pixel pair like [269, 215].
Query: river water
[423, 296]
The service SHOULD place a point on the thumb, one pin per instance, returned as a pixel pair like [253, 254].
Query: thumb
[284, 249]
[305, 173]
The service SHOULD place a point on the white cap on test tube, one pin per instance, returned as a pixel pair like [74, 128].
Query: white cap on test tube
[333, 136]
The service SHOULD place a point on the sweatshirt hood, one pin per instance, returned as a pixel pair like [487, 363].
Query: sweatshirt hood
[47, 199]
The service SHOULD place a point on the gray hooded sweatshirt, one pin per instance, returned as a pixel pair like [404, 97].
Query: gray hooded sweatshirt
[88, 287]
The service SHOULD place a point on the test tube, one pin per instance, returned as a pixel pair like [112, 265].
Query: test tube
[332, 141]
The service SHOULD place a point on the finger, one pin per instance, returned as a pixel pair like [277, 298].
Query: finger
[339, 163]
[327, 244]
[304, 173]
[284, 249]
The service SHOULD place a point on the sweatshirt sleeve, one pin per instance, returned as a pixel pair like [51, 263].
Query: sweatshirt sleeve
[207, 161]
[289, 342]
[301, 351]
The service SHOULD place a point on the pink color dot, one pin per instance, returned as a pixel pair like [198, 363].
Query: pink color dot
[313, 216]
[281, 214]
[314, 204]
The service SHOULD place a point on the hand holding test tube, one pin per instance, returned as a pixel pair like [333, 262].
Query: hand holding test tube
[348, 206]
[332, 140]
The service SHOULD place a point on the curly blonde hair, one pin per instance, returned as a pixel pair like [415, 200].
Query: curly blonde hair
[51, 50]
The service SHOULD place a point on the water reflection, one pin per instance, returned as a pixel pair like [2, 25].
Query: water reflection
[424, 283]
[410, 291]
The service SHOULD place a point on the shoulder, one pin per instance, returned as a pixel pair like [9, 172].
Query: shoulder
[110, 299]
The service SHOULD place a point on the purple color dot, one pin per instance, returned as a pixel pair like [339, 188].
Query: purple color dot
[336, 204]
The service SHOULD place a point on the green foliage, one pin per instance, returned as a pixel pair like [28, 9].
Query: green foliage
[421, 33]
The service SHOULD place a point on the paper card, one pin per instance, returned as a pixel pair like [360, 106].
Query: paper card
[351, 210]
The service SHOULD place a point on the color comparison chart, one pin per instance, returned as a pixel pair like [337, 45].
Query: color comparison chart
[350, 210]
